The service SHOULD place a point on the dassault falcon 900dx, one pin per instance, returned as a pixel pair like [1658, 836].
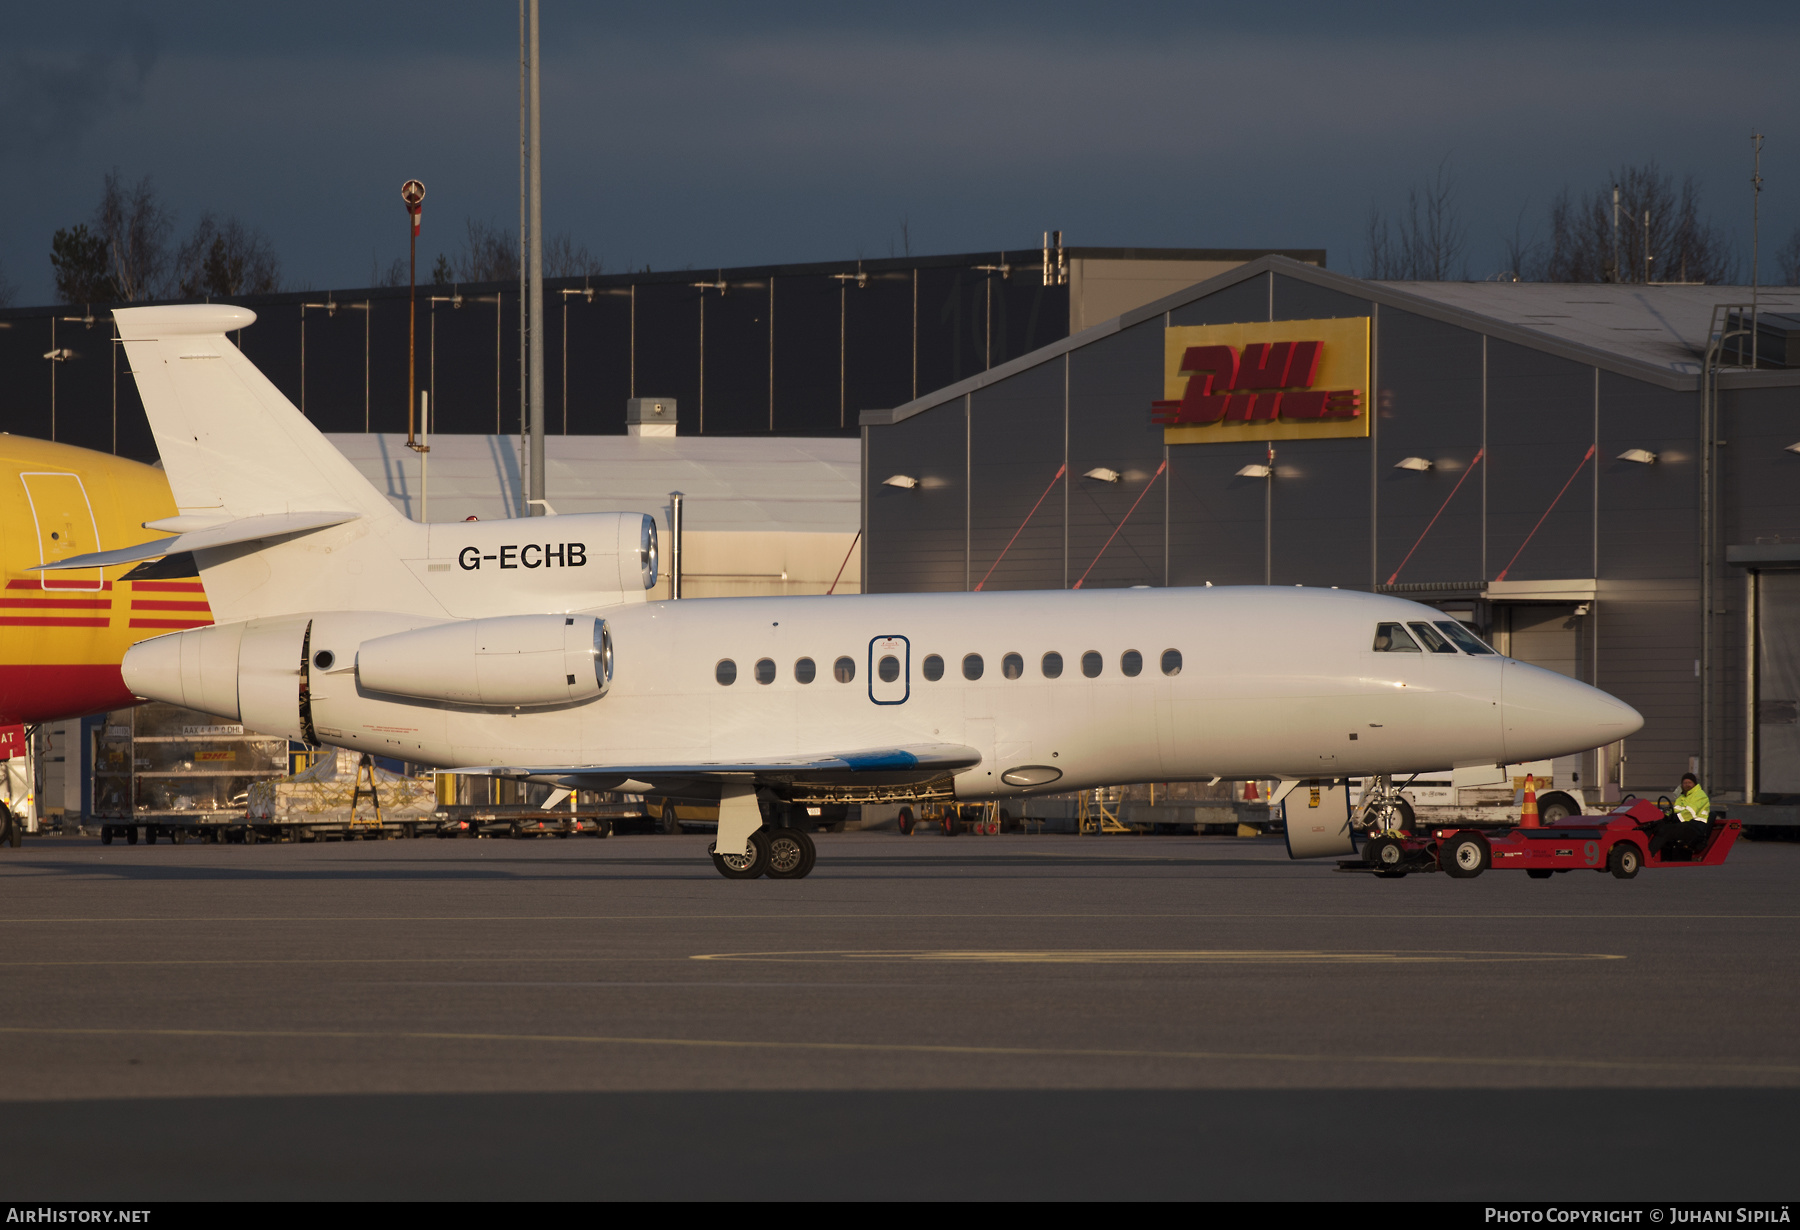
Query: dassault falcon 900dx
[527, 648]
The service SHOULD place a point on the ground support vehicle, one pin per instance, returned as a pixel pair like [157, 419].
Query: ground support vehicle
[981, 819]
[1486, 797]
[525, 820]
[1618, 842]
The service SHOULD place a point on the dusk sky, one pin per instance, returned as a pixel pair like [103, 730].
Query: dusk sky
[713, 134]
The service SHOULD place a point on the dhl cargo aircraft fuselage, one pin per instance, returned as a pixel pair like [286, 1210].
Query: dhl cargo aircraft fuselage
[62, 634]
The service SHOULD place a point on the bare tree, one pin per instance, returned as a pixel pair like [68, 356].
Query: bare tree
[1659, 236]
[393, 275]
[8, 288]
[1787, 261]
[1524, 253]
[490, 254]
[1427, 242]
[223, 259]
[564, 258]
[136, 228]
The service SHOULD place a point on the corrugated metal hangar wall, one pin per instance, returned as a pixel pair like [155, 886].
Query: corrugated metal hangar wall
[1607, 586]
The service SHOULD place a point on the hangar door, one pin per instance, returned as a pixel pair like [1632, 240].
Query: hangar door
[1548, 634]
[1778, 683]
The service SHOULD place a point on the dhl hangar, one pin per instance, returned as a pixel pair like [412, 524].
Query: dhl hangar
[1601, 478]
[1594, 476]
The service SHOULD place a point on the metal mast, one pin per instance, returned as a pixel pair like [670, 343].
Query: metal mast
[535, 259]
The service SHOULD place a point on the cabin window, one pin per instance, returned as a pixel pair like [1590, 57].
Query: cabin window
[933, 666]
[888, 668]
[1092, 664]
[1393, 638]
[1171, 662]
[1012, 666]
[765, 670]
[1428, 636]
[1053, 665]
[844, 670]
[1131, 663]
[725, 672]
[972, 666]
[805, 671]
[1465, 639]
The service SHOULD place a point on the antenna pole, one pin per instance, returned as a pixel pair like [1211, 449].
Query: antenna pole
[1756, 141]
[1616, 276]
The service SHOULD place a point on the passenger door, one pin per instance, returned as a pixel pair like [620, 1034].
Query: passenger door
[890, 670]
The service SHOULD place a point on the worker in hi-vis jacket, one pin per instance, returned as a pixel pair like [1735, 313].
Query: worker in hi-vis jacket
[1687, 828]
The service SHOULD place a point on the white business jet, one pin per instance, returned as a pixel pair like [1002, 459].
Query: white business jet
[528, 649]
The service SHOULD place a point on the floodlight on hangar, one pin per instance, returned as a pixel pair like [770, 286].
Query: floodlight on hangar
[1793, 448]
[905, 482]
[1412, 463]
[1642, 456]
[1256, 471]
[1103, 474]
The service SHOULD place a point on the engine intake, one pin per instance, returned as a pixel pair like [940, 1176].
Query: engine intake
[511, 660]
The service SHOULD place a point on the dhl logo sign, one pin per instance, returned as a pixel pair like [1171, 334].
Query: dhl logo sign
[1282, 380]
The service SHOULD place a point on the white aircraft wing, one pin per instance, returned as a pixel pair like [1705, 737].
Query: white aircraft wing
[878, 766]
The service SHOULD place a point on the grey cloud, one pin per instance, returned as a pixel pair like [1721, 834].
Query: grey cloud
[52, 96]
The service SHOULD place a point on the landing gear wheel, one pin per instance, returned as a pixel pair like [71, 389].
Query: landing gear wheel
[1409, 819]
[1387, 856]
[791, 854]
[1624, 861]
[1540, 873]
[743, 866]
[905, 821]
[1465, 856]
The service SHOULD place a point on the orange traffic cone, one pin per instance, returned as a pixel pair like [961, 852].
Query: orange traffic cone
[1528, 815]
[1250, 795]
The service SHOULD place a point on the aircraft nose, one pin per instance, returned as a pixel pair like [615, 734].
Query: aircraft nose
[1547, 715]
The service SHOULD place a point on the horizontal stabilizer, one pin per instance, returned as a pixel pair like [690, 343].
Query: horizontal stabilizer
[242, 529]
[871, 766]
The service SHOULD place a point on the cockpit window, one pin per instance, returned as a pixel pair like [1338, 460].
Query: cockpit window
[1393, 638]
[1465, 640]
[1434, 643]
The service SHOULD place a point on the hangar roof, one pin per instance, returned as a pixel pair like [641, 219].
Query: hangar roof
[784, 484]
[1652, 333]
[1664, 325]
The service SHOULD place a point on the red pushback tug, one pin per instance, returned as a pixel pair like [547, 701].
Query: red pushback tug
[1618, 842]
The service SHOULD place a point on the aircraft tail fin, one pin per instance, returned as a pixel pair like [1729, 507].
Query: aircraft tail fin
[231, 443]
[277, 519]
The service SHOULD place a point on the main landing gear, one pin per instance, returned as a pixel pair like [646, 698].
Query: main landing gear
[779, 853]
